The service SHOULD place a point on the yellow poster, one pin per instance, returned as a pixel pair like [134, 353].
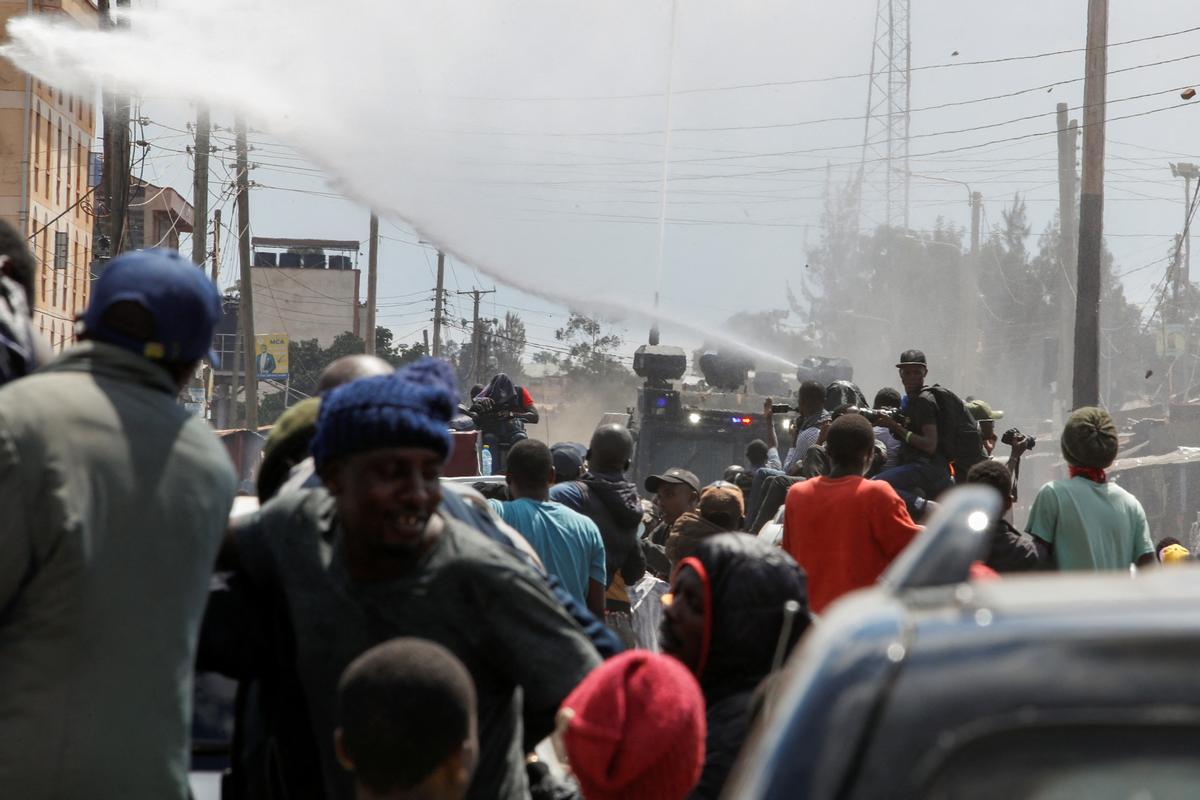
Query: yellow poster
[271, 356]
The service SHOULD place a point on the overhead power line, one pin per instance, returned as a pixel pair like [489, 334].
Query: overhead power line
[832, 78]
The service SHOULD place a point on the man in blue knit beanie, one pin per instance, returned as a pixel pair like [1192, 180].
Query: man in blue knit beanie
[324, 574]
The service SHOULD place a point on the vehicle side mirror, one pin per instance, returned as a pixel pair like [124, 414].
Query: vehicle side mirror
[957, 536]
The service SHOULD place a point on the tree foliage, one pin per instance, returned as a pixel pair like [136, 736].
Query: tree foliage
[589, 351]
[867, 295]
[502, 349]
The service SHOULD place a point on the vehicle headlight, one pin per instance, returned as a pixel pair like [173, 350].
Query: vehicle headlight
[694, 418]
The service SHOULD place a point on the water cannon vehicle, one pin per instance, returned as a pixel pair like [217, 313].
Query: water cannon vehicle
[704, 427]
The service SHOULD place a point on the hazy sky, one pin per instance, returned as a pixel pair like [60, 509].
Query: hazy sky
[535, 132]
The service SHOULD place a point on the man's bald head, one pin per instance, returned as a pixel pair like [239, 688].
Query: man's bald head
[351, 368]
[611, 449]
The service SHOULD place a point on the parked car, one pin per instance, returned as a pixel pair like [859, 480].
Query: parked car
[1046, 686]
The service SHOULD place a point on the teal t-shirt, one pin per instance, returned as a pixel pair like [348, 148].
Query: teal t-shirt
[567, 542]
[1096, 526]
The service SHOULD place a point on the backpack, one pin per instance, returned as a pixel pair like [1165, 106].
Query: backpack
[959, 439]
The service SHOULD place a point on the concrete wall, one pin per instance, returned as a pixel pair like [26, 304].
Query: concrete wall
[44, 173]
[306, 304]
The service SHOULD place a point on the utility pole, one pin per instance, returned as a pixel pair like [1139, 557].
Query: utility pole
[1189, 173]
[233, 374]
[476, 333]
[216, 248]
[372, 282]
[437, 305]
[1068, 136]
[1091, 211]
[425, 336]
[115, 178]
[200, 197]
[200, 189]
[246, 306]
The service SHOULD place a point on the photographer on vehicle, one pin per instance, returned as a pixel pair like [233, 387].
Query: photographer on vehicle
[809, 428]
[770, 483]
[1018, 442]
[500, 411]
[924, 471]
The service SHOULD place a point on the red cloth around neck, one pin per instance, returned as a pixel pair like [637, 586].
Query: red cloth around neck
[1091, 473]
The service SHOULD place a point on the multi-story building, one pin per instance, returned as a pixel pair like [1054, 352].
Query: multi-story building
[45, 146]
[156, 216]
[306, 288]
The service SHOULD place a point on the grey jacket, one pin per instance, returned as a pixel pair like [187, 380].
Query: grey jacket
[20, 353]
[114, 500]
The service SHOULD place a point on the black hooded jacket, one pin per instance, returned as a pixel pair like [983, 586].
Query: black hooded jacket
[616, 508]
[749, 583]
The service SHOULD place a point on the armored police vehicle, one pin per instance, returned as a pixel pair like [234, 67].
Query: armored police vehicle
[705, 427]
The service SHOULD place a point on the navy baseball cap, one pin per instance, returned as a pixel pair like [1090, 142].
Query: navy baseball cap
[568, 460]
[181, 299]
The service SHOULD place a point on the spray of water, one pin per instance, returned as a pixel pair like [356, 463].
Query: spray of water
[666, 157]
[527, 138]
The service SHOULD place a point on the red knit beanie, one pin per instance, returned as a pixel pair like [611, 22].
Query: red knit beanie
[638, 729]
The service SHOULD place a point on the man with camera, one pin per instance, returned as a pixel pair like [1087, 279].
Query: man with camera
[500, 411]
[1018, 442]
[770, 485]
[924, 471]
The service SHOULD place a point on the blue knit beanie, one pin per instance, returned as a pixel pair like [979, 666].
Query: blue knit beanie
[411, 408]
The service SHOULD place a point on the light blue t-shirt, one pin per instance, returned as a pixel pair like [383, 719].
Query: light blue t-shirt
[568, 543]
[1091, 526]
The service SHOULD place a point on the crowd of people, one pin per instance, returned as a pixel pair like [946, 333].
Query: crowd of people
[394, 635]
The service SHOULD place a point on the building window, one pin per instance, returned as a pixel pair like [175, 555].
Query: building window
[79, 176]
[43, 259]
[75, 270]
[70, 175]
[54, 285]
[46, 157]
[62, 242]
[38, 259]
[37, 148]
[58, 160]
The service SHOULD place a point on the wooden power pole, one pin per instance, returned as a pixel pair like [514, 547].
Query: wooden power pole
[1086, 385]
[200, 189]
[476, 333]
[115, 178]
[246, 305]
[216, 248]
[437, 305]
[372, 283]
[1068, 136]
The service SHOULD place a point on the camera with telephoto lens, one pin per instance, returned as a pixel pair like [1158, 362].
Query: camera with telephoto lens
[1012, 434]
[877, 415]
[781, 408]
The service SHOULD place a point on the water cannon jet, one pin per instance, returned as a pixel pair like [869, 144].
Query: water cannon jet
[724, 371]
[824, 370]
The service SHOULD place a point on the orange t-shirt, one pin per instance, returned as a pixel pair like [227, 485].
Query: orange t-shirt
[844, 532]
